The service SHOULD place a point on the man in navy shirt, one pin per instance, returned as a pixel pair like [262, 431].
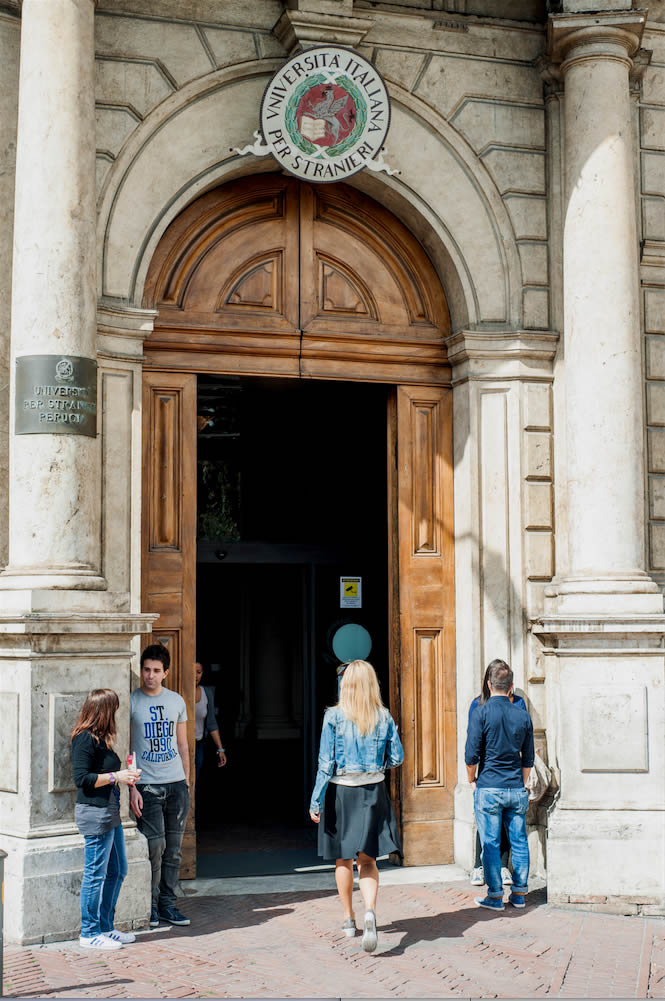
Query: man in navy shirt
[499, 756]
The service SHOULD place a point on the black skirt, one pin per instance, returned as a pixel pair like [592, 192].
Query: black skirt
[357, 819]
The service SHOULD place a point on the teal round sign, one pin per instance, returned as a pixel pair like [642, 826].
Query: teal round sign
[351, 642]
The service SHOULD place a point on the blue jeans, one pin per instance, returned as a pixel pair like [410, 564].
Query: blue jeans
[104, 869]
[494, 807]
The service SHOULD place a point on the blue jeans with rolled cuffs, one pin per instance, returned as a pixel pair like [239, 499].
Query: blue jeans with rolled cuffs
[494, 807]
[105, 867]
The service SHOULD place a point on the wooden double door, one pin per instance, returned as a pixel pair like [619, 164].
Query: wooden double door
[272, 277]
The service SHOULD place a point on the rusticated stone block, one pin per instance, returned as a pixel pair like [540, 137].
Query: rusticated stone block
[539, 555]
[539, 456]
[536, 308]
[654, 311]
[656, 448]
[538, 405]
[656, 403]
[655, 345]
[230, 46]
[529, 216]
[657, 547]
[538, 505]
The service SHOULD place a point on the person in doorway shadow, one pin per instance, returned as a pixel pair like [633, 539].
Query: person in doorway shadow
[205, 721]
[359, 741]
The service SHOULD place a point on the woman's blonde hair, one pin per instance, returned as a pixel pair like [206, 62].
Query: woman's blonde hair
[360, 696]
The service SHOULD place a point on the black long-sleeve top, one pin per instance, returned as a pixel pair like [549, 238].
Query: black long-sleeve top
[91, 758]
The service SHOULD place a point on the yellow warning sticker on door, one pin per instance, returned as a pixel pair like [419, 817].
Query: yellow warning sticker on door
[350, 592]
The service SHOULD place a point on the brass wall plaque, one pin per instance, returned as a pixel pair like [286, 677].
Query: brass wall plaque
[56, 394]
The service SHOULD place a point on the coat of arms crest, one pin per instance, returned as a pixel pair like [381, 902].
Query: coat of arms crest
[324, 116]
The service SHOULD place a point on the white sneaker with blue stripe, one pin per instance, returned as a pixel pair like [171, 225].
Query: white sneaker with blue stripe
[99, 942]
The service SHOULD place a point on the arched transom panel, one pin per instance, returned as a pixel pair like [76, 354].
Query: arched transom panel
[268, 274]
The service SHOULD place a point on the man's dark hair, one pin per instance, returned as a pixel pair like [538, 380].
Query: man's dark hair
[157, 651]
[500, 676]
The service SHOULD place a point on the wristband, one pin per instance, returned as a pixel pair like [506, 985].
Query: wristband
[220, 750]
[111, 778]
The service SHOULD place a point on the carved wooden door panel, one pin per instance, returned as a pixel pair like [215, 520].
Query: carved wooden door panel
[426, 641]
[169, 540]
[266, 275]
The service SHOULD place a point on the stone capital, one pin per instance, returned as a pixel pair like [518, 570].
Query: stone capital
[610, 35]
[121, 330]
[513, 354]
[304, 29]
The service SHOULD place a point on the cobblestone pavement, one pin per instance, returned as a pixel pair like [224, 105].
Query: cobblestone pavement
[433, 942]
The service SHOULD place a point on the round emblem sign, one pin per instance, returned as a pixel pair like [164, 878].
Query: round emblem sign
[325, 114]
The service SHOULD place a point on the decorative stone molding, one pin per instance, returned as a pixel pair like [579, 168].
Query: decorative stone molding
[304, 29]
[551, 76]
[641, 60]
[122, 330]
[652, 262]
[594, 35]
[584, 632]
[59, 627]
[476, 354]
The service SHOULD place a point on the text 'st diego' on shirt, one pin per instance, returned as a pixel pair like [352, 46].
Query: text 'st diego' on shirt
[153, 728]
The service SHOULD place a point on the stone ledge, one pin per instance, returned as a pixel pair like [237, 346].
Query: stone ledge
[104, 623]
[608, 905]
[600, 626]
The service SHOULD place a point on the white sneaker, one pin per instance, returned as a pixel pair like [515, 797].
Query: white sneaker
[99, 942]
[124, 937]
[477, 876]
[506, 878]
[370, 937]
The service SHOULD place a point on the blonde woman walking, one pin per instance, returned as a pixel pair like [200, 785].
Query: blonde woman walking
[358, 742]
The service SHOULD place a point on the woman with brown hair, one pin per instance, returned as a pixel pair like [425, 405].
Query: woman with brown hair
[97, 772]
[358, 742]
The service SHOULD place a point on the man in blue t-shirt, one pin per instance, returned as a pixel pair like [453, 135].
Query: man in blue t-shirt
[499, 756]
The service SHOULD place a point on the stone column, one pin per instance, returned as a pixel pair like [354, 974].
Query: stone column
[62, 630]
[605, 460]
[9, 59]
[54, 478]
[602, 631]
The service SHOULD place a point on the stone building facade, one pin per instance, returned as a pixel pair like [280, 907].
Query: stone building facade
[530, 145]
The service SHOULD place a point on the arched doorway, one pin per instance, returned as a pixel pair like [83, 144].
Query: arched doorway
[266, 280]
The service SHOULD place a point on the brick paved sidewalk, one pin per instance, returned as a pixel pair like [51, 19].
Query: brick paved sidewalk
[433, 942]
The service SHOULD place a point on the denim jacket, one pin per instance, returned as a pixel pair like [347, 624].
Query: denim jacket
[344, 750]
